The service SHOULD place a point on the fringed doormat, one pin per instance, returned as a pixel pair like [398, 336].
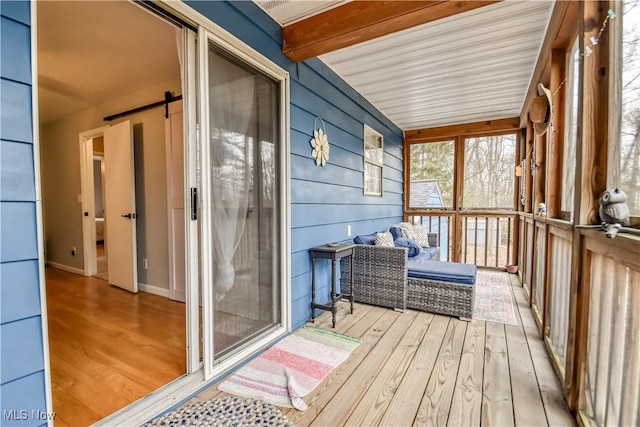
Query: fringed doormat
[494, 299]
[224, 411]
[292, 368]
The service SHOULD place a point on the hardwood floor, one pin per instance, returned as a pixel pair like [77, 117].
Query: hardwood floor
[108, 347]
[416, 368]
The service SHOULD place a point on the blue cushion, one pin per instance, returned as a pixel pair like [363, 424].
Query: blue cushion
[396, 232]
[413, 247]
[430, 252]
[365, 239]
[421, 268]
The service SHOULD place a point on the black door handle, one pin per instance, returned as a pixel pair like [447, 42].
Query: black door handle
[128, 216]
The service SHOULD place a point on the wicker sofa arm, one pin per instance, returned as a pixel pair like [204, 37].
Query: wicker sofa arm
[379, 275]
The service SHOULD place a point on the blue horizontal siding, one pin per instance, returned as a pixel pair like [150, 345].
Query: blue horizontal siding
[325, 214]
[20, 292]
[17, 179]
[15, 103]
[22, 375]
[307, 237]
[18, 231]
[26, 356]
[15, 43]
[26, 394]
[17, 10]
[317, 192]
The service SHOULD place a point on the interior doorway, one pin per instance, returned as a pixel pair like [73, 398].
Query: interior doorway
[102, 271]
[108, 348]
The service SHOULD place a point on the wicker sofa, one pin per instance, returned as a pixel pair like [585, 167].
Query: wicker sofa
[381, 277]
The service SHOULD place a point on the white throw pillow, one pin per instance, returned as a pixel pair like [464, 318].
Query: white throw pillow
[421, 236]
[407, 230]
[384, 239]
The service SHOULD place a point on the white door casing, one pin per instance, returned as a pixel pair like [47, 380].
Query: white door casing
[120, 209]
[88, 204]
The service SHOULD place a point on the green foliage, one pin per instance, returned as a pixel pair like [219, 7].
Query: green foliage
[488, 174]
[434, 160]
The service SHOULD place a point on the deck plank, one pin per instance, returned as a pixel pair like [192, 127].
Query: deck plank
[527, 401]
[406, 402]
[413, 366]
[550, 387]
[434, 408]
[466, 405]
[497, 406]
[377, 398]
[370, 332]
[345, 399]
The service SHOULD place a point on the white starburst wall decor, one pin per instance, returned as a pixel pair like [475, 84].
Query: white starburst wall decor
[320, 144]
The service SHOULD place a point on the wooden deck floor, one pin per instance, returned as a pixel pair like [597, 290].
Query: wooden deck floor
[416, 368]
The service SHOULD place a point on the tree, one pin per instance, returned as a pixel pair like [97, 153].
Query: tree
[488, 172]
[630, 135]
[434, 160]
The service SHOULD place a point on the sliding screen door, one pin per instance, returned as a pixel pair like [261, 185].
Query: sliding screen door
[241, 174]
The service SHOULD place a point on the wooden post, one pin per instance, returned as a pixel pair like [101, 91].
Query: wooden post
[528, 177]
[556, 137]
[591, 177]
[406, 159]
[458, 188]
[540, 169]
[595, 115]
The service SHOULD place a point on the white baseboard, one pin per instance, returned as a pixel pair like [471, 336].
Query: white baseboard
[156, 290]
[180, 296]
[66, 268]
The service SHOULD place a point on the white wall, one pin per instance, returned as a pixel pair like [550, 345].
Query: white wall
[60, 165]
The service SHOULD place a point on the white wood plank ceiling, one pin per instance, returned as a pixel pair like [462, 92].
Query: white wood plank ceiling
[470, 67]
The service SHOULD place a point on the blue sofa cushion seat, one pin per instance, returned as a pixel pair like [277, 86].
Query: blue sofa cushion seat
[422, 268]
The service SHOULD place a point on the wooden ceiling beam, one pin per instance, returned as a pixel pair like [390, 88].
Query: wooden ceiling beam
[486, 128]
[359, 21]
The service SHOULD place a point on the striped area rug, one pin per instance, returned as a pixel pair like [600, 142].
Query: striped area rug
[494, 300]
[292, 368]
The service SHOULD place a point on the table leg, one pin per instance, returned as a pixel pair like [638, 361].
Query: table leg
[351, 284]
[313, 289]
[333, 293]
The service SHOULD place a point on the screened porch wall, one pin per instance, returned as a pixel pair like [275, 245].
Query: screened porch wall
[324, 200]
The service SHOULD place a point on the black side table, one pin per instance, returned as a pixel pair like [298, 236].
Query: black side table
[333, 253]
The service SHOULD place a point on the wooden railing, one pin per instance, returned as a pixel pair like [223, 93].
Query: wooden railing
[610, 386]
[486, 239]
[559, 285]
[539, 271]
[584, 290]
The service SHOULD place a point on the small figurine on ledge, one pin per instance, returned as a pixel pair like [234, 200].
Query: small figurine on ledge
[614, 214]
[542, 209]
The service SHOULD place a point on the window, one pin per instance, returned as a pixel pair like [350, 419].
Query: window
[373, 162]
[489, 178]
[431, 167]
[570, 134]
[629, 160]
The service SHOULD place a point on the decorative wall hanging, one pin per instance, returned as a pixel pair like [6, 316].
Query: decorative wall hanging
[541, 111]
[320, 144]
